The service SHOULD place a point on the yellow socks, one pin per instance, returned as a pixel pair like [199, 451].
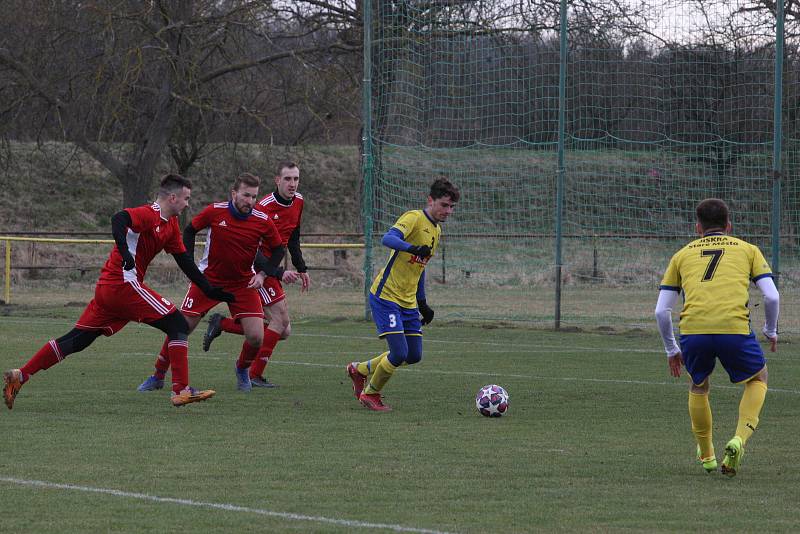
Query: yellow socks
[368, 367]
[750, 408]
[700, 414]
[381, 374]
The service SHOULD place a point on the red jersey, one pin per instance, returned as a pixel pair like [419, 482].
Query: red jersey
[232, 242]
[285, 216]
[148, 234]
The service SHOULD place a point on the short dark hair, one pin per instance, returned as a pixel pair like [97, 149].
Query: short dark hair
[442, 187]
[285, 164]
[172, 183]
[249, 180]
[712, 213]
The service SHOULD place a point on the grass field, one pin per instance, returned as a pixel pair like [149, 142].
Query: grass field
[597, 438]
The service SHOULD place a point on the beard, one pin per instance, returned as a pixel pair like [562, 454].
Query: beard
[244, 210]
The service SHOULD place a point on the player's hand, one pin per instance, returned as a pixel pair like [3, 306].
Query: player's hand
[289, 277]
[217, 293]
[257, 281]
[305, 280]
[425, 311]
[422, 251]
[675, 363]
[128, 262]
[773, 341]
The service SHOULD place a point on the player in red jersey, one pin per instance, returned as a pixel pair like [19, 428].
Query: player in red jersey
[121, 295]
[285, 208]
[235, 233]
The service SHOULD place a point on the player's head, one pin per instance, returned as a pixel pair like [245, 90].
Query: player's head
[442, 199]
[174, 193]
[713, 214]
[287, 179]
[245, 192]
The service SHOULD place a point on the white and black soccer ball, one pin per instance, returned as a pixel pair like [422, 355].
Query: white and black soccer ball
[492, 401]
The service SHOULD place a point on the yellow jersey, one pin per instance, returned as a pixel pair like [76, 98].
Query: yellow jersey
[714, 273]
[398, 280]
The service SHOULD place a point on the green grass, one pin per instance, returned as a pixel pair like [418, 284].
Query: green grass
[597, 438]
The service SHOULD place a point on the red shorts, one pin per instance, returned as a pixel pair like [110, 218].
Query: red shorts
[114, 306]
[248, 303]
[271, 292]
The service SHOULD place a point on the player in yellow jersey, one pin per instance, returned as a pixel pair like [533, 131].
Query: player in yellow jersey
[397, 296]
[714, 272]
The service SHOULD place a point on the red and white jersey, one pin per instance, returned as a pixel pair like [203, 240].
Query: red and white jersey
[232, 242]
[285, 216]
[148, 234]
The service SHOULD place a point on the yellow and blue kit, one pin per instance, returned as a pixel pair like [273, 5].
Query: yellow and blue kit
[399, 279]
[714, 273]
[401, 283]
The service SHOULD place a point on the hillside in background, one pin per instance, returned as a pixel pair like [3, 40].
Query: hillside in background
[55, 187]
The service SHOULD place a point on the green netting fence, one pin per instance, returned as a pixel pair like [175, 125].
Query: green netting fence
[582, 135]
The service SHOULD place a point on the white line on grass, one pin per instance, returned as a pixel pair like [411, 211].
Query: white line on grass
[488, 343]
[427, 351]
[218, 506]
[505, 345]
[509, 347]
[478, 373]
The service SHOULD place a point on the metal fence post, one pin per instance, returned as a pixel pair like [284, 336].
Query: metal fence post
[562, 102]
[777, 142]
[366, 147]
[7, 289]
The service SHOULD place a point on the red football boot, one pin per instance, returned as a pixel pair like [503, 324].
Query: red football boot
[358, 379]
[373, 402]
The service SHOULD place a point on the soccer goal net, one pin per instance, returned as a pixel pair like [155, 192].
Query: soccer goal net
[581, 136]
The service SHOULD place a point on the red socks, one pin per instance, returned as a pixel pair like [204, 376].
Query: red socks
[179, 362]
[162, 362]
[175, 354]
[229, 325]
[247, 355]
[271, 339]
[48, 356]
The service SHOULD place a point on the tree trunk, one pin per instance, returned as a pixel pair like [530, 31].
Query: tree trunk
[136, 189]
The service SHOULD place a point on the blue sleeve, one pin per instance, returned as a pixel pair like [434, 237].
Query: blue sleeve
[421, 287]
[393, 239]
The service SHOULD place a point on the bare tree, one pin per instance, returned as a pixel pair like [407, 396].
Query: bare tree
[129, 81]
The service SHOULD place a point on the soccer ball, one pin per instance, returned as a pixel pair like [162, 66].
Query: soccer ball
[492, 401]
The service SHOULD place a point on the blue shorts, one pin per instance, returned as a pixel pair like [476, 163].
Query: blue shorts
[739, 354]
[391, 318]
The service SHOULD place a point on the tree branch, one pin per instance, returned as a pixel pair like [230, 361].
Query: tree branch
[94, 149]
[235, 67]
